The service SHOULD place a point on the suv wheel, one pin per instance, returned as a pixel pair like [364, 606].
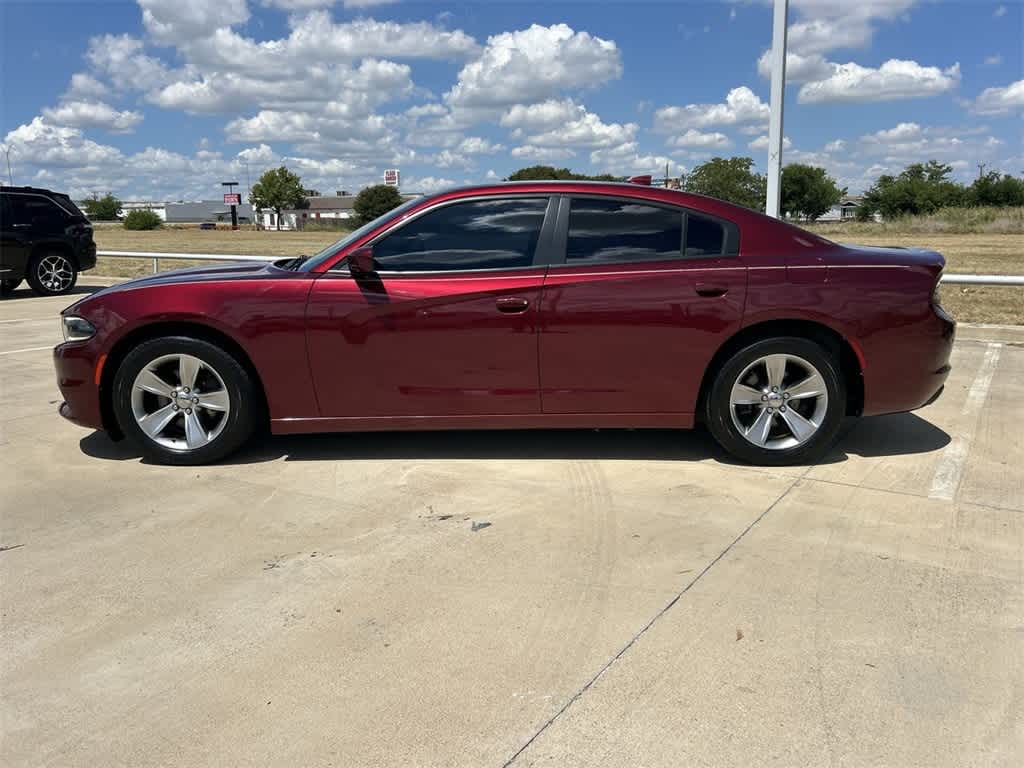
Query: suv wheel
[8, 286]
[52, 274]
[778, 401]
[184, 401]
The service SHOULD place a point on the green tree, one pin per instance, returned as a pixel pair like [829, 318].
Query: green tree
[104, 208]
[278, 189]
[550, 173]
[730, 179]
[919, 188]
[375, 201]
[993, 189]
[808, 191]
[142, 218]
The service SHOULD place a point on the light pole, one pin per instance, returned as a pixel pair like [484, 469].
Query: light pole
[7, 151]
[777, 102]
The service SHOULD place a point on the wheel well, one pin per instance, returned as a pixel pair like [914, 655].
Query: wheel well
[63, 248]
[849, 364]
[158, 330]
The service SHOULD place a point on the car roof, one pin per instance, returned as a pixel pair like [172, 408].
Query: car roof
[35, 190]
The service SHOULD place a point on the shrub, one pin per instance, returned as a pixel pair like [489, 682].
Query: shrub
[376, 201]
[142, 219]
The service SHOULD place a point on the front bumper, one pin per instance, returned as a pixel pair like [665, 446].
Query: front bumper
[76, 366]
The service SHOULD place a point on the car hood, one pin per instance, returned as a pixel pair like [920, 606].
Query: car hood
[895, 255]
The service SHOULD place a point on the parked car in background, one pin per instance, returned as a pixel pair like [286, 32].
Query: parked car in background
[537, 304]
[45, 239]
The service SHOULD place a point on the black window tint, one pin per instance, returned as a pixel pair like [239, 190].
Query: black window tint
[619, 230]
[483, 234]
[32, 209]
[704, 237]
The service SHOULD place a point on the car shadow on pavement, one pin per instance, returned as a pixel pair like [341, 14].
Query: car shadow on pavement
[895, 435]
[24, 292]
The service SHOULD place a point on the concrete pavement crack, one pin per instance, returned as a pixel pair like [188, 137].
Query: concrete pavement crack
[633, 640]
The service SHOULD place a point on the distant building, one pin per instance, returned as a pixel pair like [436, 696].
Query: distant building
[205, 210]
[323, 208]
[844, 210]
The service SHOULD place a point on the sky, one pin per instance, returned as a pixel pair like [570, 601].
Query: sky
[165, 99]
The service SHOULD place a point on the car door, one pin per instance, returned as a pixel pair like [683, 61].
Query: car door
[643, 297]
[447, 324]
[14, 245]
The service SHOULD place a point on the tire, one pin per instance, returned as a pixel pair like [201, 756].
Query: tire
[7, 287]
[762, 426]
[206, 432]
[52, 273]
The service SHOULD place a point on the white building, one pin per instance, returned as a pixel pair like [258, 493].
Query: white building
[321, 208]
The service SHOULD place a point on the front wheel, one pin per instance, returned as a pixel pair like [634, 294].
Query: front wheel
[777, 401]
[184, 401]
[52, 274]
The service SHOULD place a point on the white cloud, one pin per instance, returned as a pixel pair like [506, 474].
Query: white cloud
[542, 154]
[121, 59]
[839, 145]
[799, 69]
[154, 160]
[565, 123]
[912, 142]
[999, 12]
[42, 143]
[172, 23]
[1001, 100]
[261, 155]
[895, 79]
[93, 114]
[626, 160]
[428, 184]
[761, 143]
[533, 64]
[697, 140]
[732, 14]
[993, 61]
[741, 106]
[85, 86]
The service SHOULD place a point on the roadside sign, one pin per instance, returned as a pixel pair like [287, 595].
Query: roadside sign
[392, 176]
[232, 198]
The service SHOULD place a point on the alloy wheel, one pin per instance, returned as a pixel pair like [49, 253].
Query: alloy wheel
[180, 402]
[779, 401]
[55, 273]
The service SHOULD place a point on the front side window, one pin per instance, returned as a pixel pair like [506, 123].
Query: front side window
[479, 234]
[620, 230]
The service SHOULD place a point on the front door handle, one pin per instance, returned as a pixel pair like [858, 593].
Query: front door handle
[512, 305]
[710, 289]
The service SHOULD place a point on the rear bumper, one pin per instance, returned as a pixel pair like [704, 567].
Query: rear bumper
[86, 257]
[910, 370]
[76, 377]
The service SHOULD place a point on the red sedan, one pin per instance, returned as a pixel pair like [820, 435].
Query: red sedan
[539, 304]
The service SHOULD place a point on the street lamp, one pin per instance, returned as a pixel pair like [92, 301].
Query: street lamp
[7, 151]
[233, 199]
[776, 105]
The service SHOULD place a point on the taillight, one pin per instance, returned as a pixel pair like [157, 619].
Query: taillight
[936, 300]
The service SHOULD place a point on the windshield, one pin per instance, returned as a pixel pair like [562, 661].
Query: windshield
[319, 258]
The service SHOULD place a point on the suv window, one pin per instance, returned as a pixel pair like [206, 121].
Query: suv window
[38, 210]
[479, 234]
[620, 230]
[704, 237]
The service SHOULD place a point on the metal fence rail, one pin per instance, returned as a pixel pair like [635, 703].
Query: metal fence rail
[946, 279]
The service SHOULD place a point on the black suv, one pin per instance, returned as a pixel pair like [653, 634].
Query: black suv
[44, 239]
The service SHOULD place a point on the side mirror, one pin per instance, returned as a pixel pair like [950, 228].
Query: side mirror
[360, 261]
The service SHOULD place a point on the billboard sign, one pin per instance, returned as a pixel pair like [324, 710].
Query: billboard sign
[392, 177]
[232, 198]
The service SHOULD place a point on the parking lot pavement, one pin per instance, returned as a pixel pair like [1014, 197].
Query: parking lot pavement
[547, 598]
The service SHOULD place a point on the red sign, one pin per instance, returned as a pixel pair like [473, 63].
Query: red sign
[232, 198]
[392, 176]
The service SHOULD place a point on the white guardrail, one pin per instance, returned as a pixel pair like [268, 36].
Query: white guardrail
[946, 279]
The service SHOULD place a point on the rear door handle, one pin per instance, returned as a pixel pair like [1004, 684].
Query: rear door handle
[512, 305]
[710, 289]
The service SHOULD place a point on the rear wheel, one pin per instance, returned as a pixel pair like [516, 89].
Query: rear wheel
[777, 401]
[184, 401]
[52, 274]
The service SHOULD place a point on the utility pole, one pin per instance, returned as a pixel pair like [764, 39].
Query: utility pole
[981, 169]
[777, 102]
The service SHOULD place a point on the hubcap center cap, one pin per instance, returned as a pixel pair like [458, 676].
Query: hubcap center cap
[183, 401]
[774, 399]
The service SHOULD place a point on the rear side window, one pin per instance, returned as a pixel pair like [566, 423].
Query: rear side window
[34, 209]
[620, 230]
[479, 234]
[704, 237]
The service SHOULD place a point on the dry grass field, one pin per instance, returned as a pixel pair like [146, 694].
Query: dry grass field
[1000, 252]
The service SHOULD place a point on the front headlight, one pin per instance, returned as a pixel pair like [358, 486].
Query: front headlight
[76, 328]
